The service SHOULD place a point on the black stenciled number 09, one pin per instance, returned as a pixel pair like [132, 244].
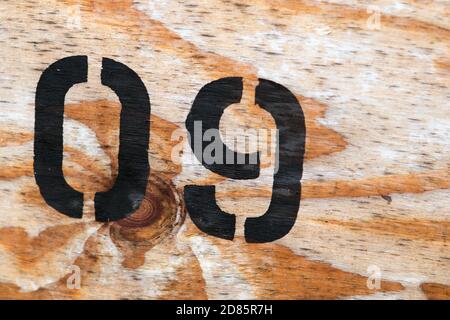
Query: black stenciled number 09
[280, 217]
[129, 189]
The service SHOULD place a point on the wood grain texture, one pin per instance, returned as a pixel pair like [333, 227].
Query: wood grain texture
[376, 181]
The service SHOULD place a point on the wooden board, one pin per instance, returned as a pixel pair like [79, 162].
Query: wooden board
[373, 80]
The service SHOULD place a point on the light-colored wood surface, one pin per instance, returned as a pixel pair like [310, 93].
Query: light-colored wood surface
[376, 181]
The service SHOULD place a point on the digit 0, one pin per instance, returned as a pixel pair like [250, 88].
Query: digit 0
[134, 169]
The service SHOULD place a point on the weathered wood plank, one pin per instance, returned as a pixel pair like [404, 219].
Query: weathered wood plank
[373, 80]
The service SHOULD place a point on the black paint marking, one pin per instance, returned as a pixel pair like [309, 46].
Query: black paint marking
[126, 195]
[284, 205]
[285, 202]
[51, 90]
[208, 107]
[128, 191]
[205, 213]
